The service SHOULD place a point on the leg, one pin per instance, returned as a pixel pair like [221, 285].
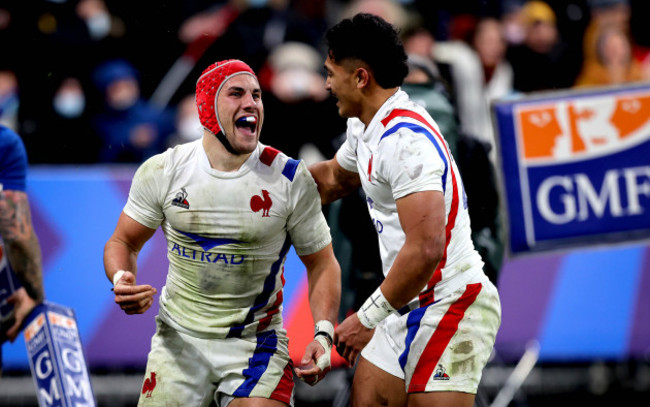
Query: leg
[176, 373]
[373, 386]
[256, 402]
[440, 399]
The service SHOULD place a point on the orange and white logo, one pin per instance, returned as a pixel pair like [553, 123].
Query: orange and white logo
[61, 320]
[34, 327]
[583, 127]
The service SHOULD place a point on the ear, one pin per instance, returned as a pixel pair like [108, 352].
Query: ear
[363, 77]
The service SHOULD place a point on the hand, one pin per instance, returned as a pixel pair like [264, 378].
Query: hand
[23, 305]
[316, 361]
[133, 299]
[350, 337]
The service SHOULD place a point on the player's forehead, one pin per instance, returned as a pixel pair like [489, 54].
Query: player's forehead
[242, 82]
[345, 65]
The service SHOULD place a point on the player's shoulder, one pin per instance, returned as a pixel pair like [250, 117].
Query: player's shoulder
[174, 158]
[10, 141]
[281, 164]
[408, 117]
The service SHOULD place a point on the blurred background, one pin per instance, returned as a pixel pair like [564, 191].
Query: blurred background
[95, 87]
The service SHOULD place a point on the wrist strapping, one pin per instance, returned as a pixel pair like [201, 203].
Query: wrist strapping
[374, 310]
[323, 334]
[324, 328]
[117, 276]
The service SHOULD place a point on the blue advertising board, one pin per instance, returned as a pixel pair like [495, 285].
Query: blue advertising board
[575, 168]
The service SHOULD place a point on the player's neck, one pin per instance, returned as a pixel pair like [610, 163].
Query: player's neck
[374, 100]
[221, 159]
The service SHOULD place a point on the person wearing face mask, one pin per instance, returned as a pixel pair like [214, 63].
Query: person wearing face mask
[230, 208]
[188, 124]
[130, 128]
[65, 111]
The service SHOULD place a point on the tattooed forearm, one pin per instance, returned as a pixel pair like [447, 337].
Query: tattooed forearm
[20, 241]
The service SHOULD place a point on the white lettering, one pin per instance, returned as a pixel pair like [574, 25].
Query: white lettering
[608, 192]
[544, 204]
[41, 363]
[635, 188]
[78, 390]
[48, 397]
[579, 198]
[71, 360]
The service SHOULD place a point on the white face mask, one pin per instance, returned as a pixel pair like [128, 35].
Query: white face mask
[99, 25]
[190, 129]
[69, 104]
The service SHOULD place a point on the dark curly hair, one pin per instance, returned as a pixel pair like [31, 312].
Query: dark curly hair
[372, 40]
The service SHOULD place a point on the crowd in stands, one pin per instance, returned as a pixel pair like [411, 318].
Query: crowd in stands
[88, 81]
[93, 81]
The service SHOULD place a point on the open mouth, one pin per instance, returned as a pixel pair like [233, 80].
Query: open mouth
[247, 122]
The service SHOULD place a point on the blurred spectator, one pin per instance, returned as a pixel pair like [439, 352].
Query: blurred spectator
[543, 61]
[99, 21]
[419, 43]
[615, 15]
[187, 123]
[63, 132]
[130, 128]
[604, 13]
[425, 87]
[514, 27]
[474, 164]
[390, 10]
[613, 62]
[259, 27]
[300, 117]
[211, 22]
[480, 74]
[9, 99]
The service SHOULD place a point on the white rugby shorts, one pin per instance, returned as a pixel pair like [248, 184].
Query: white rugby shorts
[441, 347]
[187, 371]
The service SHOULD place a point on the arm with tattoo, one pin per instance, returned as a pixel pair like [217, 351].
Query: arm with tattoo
[20, 242]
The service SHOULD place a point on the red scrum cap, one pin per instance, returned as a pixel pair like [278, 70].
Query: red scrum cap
[209, 85]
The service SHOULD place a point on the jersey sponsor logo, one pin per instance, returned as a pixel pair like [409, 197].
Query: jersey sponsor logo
[262, 203]
[440, 373]
[181, 199]
[207, 257]
[149, 385]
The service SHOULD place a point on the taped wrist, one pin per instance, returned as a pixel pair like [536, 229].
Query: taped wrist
[325, 329]
[374, 310]
[323, 334]
[117, 276]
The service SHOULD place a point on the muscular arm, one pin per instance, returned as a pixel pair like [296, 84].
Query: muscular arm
[21, 243]
[333, 181]
[422, 216]
[121, 250]
[324, 276]
[121, 253]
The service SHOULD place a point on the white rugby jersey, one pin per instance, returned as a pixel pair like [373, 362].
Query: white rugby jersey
[402, 152]
[228, 234]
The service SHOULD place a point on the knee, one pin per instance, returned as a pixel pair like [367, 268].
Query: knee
[367, 400]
